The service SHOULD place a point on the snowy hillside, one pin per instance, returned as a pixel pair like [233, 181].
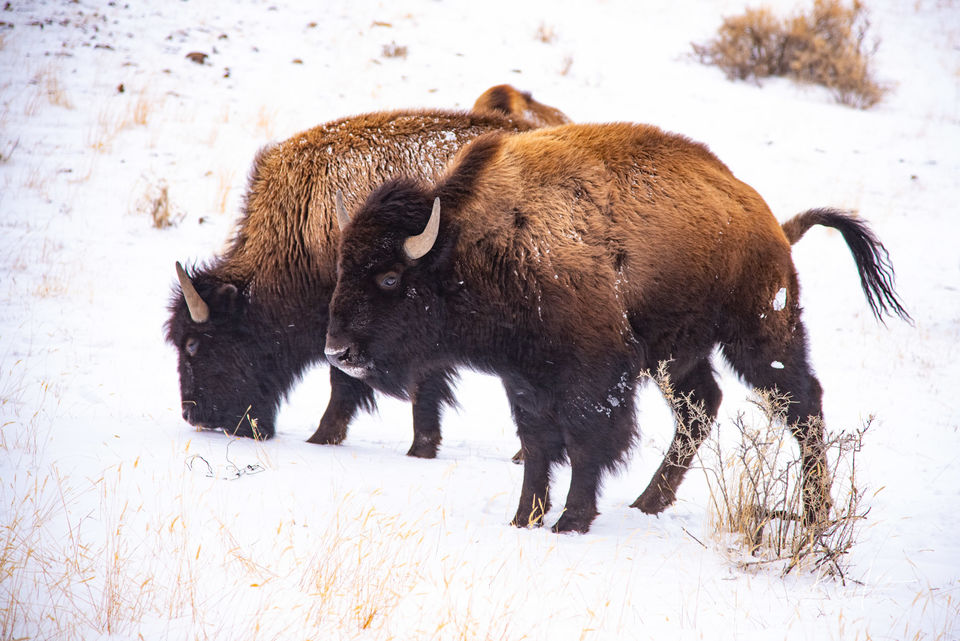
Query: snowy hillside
[118, 520]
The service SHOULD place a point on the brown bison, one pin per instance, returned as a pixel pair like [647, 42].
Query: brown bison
[248, 323]
[509, 101]
[568, 261]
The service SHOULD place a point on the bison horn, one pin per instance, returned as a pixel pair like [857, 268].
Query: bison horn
[199, 310]
[343, 218]
[417, 246]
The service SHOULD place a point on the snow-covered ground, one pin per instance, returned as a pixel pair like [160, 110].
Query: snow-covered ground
[110, 525]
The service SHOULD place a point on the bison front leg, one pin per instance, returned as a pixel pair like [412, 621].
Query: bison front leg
[597, 434]
[581, 507]
[534, 495]
[428, 397]
[542, 446]
[347, 395]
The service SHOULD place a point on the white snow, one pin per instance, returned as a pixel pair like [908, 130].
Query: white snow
[119, 521]
[780, 300]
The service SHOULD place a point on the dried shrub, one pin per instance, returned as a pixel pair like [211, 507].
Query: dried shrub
[393, 50]
[756, 495]
[756, 499]
[546, 34]
[826, 46]
[155, 203]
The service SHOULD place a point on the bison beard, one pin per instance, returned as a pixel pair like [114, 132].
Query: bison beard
[249, 323]
[568, 261]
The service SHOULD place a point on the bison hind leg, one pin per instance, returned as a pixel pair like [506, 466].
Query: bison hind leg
[777, 361]
[695, 399]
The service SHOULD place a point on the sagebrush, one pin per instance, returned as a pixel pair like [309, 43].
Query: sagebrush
[756, 498]
[827, 45]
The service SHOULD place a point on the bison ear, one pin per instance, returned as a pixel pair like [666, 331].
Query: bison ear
[229, 298]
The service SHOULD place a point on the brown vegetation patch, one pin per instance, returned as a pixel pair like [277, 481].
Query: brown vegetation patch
[826, 46]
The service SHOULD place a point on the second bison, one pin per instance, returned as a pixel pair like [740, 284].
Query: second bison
[248, 323]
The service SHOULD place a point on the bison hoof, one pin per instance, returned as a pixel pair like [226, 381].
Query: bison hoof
[653, 500]
[574, 522]
[527, 521]
[424, 448]
[326, 436]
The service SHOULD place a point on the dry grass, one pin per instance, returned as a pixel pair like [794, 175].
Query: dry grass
[224, 187]
[49, 87]
[139, 112]
[826, 46]
[393, 50]
[156, 204]
[265, 122]
[118, 115]
[53, 285]
[7, 148]
[546, 34]
[756, 495]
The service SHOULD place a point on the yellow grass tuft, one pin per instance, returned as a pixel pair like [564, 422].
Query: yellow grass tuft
[546, 34]
[265, 122]
[156, 204]
[224, 187]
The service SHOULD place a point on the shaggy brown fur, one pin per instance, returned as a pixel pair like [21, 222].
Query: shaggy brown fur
[269, 292]
[568, 261]
[510, 101]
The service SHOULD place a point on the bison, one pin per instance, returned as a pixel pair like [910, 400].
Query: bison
[509, 101]
[570, 260]
[248, 323]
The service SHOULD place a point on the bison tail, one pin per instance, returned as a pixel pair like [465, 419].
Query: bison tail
[871, 257]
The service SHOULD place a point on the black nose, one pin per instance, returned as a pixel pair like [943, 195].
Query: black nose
[337, 355]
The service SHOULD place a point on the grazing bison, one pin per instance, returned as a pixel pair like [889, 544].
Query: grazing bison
[569, 260]
[248, 323]
[510, 101]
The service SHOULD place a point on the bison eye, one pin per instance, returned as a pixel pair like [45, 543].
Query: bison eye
[388, 281]
[191, 346]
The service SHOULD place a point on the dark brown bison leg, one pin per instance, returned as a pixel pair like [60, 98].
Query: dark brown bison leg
[432, 392]
[807, 427]
[542, 446]
[696, 401]
[535, 492]
[596, 435]
[581, 507]
[782, 366]
[347, 395]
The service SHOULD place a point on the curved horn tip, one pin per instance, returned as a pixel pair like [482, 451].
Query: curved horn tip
[418, 246]
[198, 308]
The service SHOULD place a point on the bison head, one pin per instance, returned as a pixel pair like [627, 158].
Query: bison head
[226, 364]
[392, 278]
